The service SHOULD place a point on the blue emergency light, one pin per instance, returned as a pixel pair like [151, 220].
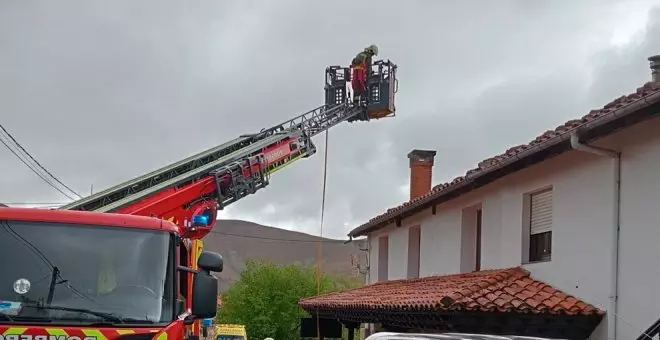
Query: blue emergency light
[200, 220]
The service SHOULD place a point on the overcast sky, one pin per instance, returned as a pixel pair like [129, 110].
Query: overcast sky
[103, 91]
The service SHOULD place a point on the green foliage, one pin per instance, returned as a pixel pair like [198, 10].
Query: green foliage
[265, 299]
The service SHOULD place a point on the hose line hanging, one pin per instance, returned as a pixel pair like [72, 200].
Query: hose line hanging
[319, 248]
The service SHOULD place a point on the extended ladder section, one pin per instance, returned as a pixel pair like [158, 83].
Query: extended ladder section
[212, 161]
[234, 169]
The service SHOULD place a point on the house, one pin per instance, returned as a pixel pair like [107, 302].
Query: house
[555, 238]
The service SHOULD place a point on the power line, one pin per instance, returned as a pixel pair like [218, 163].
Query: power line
[34, 170]
[15, 142]
[36, 162]
[275, 238]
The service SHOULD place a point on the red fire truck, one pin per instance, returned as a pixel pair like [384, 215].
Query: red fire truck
[128, 262]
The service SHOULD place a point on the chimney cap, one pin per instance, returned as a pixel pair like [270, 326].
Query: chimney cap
[422, 153]
[421, 156]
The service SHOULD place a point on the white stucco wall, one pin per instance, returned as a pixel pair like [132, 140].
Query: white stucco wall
[583, 220]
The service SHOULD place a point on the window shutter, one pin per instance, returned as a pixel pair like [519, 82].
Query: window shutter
[541, 212]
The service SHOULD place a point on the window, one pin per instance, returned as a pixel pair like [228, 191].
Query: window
[470, 254]
[128, 274]
[383, 252]
[414, 234]
[540, 226]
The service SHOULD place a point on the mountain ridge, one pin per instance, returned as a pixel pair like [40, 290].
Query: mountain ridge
[239, 241]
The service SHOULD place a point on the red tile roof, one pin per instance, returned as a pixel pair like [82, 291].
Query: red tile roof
[625, 105]
[503, 290]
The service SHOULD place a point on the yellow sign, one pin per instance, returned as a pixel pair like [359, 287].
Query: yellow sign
[230, 330]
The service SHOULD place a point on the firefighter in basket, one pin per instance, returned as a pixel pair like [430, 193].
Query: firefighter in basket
[360, 69]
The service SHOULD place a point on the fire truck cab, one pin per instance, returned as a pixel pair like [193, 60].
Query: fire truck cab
[88, 276]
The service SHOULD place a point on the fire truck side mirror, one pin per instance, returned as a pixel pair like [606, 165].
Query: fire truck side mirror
[210, 261]
[205, 286]
[204, 295]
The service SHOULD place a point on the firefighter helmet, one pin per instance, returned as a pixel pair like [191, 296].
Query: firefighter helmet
[372, 49]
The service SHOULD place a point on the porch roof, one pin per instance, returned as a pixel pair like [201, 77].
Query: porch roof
[501, 290]
[490, 301]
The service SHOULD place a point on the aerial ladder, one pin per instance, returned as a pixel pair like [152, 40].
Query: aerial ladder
[213, 179]
[191, 191]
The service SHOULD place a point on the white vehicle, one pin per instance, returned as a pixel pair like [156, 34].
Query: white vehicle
[447, 336]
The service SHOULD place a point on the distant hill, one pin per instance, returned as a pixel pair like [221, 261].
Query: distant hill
[238, 241]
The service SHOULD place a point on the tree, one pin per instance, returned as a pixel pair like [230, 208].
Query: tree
[265, 298]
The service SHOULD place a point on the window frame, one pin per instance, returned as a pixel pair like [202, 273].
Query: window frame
[532, 242]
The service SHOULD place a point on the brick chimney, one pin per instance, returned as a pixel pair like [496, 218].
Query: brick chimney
[655, 68]
[421, 172]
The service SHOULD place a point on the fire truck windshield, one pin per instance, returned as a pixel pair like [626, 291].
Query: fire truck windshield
[85, 274]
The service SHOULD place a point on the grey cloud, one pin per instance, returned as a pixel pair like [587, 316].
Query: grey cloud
[101, 92]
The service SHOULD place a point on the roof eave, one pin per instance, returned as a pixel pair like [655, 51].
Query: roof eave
[564, 137]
